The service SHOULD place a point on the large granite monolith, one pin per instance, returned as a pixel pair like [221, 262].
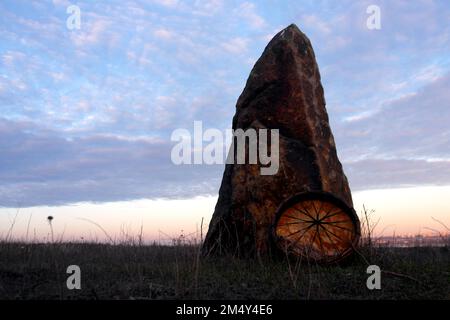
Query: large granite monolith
[282, 92]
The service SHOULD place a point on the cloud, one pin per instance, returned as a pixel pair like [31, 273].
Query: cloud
[163, 34]
[167, 3]
[319, 24]
[95, 168]
[93, 30]
[428, 74]
[247, 11]
[10, 58]
[64, 3]
[207, 7]
[415, 126]
[379, 173]
[406, 143]
[165, 111]
[236, 45]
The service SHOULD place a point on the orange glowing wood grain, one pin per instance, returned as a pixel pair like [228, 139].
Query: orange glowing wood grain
[317, 226]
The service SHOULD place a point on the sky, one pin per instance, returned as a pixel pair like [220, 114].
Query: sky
[86, 114]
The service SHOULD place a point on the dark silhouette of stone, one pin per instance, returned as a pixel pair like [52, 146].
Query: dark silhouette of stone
[282, 92]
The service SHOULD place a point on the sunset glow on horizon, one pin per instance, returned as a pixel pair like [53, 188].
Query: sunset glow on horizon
[165, 220]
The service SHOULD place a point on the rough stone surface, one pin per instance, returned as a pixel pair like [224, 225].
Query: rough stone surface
[282, 92]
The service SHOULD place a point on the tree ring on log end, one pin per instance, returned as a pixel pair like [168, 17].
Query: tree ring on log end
[316, 226]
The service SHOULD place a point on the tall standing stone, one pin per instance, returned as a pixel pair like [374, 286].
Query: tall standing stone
[282, 92]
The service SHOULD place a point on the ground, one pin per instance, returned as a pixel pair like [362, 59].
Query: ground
[38, 271]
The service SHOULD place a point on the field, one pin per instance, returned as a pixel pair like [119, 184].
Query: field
[131, 271]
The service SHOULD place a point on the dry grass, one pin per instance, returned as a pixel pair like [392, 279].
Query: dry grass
[129, 269]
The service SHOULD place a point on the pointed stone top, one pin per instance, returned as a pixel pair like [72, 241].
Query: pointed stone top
[287, 58]
[290, 33]
[292, 27]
